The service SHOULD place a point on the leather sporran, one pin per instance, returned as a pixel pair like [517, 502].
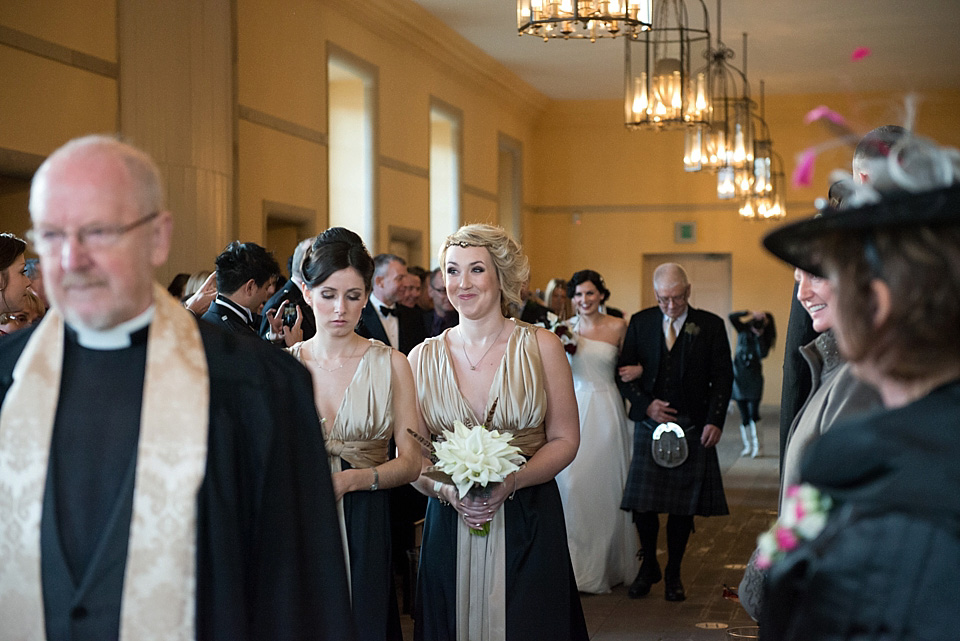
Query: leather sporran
[669, 445]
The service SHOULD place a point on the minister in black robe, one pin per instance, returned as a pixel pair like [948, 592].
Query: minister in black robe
[269, 556]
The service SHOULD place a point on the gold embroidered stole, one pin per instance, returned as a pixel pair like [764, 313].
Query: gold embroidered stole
[159, 588]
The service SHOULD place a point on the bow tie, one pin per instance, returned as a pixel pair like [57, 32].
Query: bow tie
[388, 311]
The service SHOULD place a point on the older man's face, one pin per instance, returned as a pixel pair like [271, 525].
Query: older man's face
[96, 274]
[672, 299]
[438, 294]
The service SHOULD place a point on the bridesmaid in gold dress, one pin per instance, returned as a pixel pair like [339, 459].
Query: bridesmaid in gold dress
[364, 394]
[517, 582]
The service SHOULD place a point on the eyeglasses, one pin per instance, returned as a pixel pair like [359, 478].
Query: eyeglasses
[676, 300]
[95, 236]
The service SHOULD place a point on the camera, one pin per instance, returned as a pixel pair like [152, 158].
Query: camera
[757, 323]
[289, 315]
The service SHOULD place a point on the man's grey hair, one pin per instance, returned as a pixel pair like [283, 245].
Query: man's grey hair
[382, 261]
[669, 275]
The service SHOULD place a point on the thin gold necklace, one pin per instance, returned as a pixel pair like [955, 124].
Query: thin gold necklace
[463, 346]
[316, 359]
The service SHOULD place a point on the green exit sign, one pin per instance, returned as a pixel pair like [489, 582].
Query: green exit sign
[685, 232]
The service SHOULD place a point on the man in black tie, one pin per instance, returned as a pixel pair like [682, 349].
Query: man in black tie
[395, 325]
[674, 368]
[246, 278]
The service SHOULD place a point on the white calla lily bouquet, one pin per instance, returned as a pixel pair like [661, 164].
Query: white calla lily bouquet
[472, 458]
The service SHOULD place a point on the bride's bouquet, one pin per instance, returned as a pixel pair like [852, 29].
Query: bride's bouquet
[473, 459]
[565, 330]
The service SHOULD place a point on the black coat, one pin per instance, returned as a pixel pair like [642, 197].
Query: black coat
[291, 293]
[706, 376]
[751, 349]
[409, 323]
[269, 557]
[706, 373]
[226, 318]
[887, 564]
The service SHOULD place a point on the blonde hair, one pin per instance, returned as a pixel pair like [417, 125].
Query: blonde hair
[512, 266]
[566, 310]
[194, 283]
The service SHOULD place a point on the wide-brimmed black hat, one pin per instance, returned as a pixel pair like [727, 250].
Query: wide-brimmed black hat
[797, 243]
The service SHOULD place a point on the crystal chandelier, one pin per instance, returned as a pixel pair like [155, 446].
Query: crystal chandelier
[587, 19]
[666, 70]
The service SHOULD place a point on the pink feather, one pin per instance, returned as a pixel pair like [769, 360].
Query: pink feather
[803, 174]
[860, 53]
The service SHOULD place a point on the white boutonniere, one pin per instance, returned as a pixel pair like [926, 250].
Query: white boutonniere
[691, 328]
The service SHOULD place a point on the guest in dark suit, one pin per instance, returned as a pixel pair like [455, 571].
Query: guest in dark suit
[533, 311]
[163, 478]
[290, 296]
[395, 325]
[674, 367]
[246, 278]
[443, 315]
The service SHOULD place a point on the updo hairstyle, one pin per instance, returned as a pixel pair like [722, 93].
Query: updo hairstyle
[335, 249]
[584, 276]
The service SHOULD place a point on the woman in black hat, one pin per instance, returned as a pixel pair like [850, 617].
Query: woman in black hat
[885, 563]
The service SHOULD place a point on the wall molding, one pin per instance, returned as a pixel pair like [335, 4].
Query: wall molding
[19, 164]
[470, 190]
[404, 167]
[59, 53]
[264, 119]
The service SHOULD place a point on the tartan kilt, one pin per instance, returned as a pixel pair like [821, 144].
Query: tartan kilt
[694, 488]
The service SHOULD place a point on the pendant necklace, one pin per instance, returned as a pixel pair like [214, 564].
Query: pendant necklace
[316, 360]
[463, 346]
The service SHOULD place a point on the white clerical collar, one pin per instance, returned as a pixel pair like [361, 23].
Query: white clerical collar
[116, 337]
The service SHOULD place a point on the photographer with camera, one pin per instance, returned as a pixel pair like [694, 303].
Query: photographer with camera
[756, 334]
[287, 305]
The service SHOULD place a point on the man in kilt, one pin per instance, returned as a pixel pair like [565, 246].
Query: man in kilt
[674, 368]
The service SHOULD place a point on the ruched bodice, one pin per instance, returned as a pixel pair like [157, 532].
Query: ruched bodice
[517, 388]
[365, 414]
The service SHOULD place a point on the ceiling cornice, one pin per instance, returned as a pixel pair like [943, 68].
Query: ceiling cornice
[405, 23]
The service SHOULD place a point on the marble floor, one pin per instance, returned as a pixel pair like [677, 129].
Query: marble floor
[715, 557]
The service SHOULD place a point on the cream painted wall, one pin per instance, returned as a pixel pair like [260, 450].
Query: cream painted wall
[88, 26]
[45, 103]
[628, 189]
[285, 80]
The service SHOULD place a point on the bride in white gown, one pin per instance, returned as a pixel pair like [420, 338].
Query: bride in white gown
[602, 541]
